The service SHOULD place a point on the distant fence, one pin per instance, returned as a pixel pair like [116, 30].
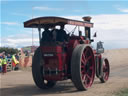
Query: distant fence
[26, 61]
[26, 56]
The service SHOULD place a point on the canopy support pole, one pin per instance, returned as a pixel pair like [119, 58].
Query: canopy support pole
[39, 29]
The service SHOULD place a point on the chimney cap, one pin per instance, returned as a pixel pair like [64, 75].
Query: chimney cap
[87, 18]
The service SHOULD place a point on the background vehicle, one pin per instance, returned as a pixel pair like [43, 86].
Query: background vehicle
[73, 59]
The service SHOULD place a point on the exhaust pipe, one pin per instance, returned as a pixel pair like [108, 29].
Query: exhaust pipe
[87, 29]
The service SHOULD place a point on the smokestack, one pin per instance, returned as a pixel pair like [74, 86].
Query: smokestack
[87, 29]
[87, 18]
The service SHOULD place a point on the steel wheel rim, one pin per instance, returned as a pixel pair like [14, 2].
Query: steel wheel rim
[105, 70]
[87, 67]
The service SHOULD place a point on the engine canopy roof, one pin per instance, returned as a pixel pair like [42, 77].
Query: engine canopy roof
[53, 21]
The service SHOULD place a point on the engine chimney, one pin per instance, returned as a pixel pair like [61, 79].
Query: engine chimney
[87, 29]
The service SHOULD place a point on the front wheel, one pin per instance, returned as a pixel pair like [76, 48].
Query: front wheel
[106, 71]
[37, 72]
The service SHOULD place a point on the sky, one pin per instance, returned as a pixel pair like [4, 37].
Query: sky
[110, 19]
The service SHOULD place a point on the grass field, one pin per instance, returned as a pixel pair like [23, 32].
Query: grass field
[123, 92]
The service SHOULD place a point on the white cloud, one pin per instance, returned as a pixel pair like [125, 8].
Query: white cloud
[19, 40]
[112, 27]
[123, 10]
[44, 8]
[9, 23]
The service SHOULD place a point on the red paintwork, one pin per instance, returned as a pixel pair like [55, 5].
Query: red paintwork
[61, 59]
[54, 62]
[56, 49]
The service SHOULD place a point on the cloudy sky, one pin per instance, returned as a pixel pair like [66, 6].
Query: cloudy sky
[110, 19]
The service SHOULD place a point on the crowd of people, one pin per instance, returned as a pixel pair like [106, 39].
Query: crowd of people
[8, 61]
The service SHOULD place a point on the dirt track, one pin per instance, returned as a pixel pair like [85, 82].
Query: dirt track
[21, 83]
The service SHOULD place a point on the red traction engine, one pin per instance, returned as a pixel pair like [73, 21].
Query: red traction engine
[73, 59]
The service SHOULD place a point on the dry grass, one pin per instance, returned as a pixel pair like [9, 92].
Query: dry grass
[123, 92]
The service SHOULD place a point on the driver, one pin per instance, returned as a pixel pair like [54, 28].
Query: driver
[46, 35]
[61, 34]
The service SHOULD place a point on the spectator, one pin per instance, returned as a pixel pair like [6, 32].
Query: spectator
[15, 63]
[9, 56]
[0, 65]
[17, 57]
[4, 64]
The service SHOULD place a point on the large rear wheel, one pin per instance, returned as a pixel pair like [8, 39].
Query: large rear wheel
[37, 71]
[82, 67]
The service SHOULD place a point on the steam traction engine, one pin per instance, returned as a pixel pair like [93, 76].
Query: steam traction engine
[75, 59]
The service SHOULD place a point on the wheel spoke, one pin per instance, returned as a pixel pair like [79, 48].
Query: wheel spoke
[83, 55]
[82, 66]
[106, 75]
[88, 58]
[83, 72]
[105, 68]
[85, 82]
[83, 77]
[88, 77]
[91, 68]
[83, 61]
[86, 51]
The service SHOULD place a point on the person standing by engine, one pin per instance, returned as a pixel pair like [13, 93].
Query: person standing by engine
[0, 65]
[15, 63]
[4, 64]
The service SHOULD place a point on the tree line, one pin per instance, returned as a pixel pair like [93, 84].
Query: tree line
[8, 50]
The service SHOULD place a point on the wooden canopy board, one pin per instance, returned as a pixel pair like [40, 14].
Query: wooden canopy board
[52, 21]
